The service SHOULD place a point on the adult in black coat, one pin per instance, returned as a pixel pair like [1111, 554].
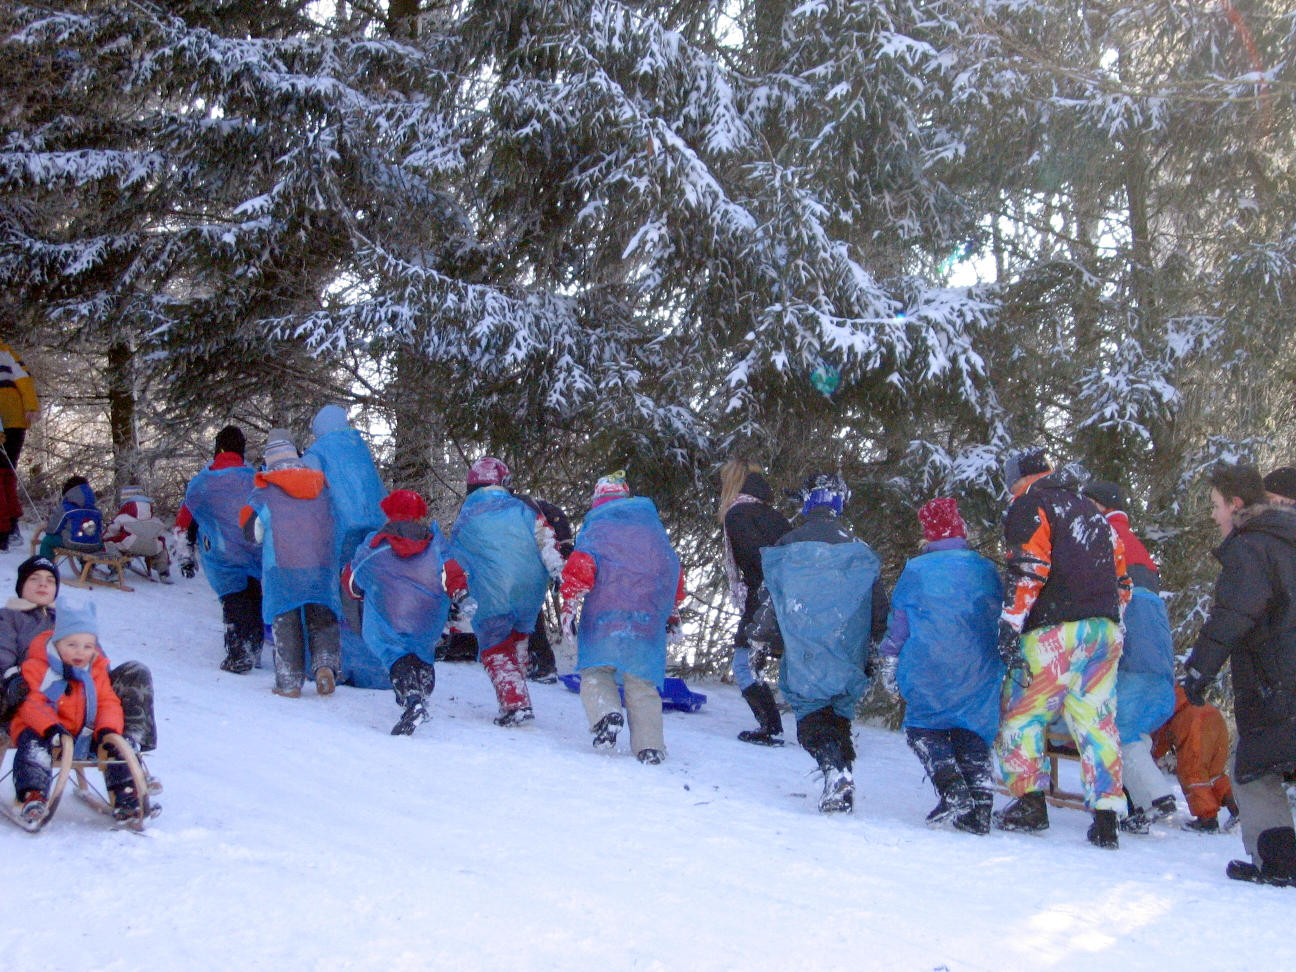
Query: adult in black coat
[1253, 622]
[750, 523]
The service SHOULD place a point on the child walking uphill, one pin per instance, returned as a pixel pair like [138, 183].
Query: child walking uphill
[943, 630]
[68, 693]
[823, 594]
[209, 517]
[398, 571]
[628, 578]
[502, 557]
[289, 514]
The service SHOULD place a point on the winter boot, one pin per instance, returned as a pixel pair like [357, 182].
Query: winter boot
[33, 809]
[125, 802]
[650, 757]
[955, 797]
[977, 820]
[1028, 813]
[1103, 831]
[838, 791]
[1202, 825]
[514, 717]
[761, 699]
[1276, 849]
[237, 662]
[1161, 808]
[325, 681]
[606, 729]
[1136, 822]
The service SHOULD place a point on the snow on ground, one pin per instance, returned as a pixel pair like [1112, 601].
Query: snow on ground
[298, 834]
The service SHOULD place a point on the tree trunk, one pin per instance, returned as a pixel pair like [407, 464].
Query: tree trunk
[121, 412]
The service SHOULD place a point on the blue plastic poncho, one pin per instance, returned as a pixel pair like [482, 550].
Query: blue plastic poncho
[949, 671]
[215, 497]
[297, 552]
[623, 618]
[1145, 696]
[823, 599]
[493, 540]
[355, 491]
[405, 603]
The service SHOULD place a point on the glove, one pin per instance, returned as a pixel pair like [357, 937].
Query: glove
[1194, 686]
[15, 690]
[52, 734]
[885, 673]
[674, 630]
[1010, 651]
[188, 568]
[99, 736]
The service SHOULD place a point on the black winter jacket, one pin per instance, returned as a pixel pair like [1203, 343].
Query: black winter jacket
[1253, 621]
[1061, 558]
[749, 527]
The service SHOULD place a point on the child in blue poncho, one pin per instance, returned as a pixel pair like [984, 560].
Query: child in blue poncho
[398, 570]
[940, 653]
[626, 581]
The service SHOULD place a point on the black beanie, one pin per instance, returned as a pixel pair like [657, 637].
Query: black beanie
[1282, 481]
[1026, 463]
[30, 566]
[230, 439]
[1105, 493]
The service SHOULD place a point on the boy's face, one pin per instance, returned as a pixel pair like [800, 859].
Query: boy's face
[1222, 510]
[40, 588]
[77, 650]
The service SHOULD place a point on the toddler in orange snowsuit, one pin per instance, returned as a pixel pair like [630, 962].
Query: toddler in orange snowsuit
[68, 691]
[1199, 737]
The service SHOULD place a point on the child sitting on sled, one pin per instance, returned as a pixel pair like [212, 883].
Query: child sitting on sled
[68, 692]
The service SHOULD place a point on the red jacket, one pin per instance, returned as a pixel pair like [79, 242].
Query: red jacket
[38, 713]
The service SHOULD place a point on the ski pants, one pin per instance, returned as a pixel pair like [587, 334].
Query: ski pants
[505, 663]
[313, 626]
[133, 684]
[542, 661]
[33, 766]
[1070, 667]
[1140, 773]
[1200, 761]
[244, 629]
[1262, 802]
[947, 753]
[826, 735]
[10, 506]
[599, 695]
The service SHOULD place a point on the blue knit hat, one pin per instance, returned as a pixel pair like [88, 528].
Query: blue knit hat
[330, 418]
[72, 618]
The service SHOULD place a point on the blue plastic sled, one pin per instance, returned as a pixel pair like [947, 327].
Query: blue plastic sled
[675, 694]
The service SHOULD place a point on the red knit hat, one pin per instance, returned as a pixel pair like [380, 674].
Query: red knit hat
[940, 520]
[404, 504]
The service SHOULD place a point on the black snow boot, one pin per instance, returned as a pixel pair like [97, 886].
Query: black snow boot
[826, 736]
[1103, 832]
[955, 797]
[765, 709]
[606, 729]
[1276, 849]
[977, 820]
[412, 679]
[1028, 814]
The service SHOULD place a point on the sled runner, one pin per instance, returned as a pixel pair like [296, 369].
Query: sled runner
[674, 693]
[114, 749]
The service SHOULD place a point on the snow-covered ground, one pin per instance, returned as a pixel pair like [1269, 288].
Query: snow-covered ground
[298, 834]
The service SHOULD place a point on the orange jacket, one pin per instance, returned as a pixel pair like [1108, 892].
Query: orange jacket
[38, 713]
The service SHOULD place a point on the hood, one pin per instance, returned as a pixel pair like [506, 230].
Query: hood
[80, 497]
[330, 418]
[297, 482]
[1271, 518]
[405, 537]
[1056, 479]
[756, 486]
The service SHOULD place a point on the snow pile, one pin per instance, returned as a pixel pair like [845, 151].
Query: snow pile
[299, 834]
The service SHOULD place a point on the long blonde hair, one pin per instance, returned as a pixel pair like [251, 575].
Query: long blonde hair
[732, 476]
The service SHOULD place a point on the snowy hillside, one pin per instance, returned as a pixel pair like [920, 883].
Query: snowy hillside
[298, 834]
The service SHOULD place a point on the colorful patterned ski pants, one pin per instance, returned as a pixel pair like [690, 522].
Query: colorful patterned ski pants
[1071, 668]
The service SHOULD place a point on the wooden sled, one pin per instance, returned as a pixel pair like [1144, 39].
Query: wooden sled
[114, 749]
[80, 565]
[1058, 747]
